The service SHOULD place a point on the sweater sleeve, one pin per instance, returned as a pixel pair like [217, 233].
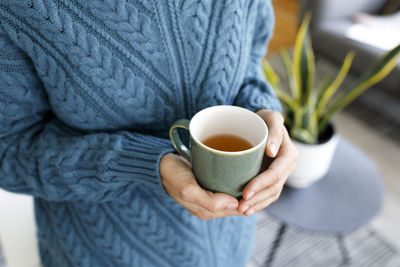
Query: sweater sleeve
[42, 156]
[255, 93]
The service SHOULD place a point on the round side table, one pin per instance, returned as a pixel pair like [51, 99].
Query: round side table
[348, 197]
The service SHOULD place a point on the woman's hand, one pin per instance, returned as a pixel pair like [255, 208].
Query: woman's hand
[267, 186]
[179, 181]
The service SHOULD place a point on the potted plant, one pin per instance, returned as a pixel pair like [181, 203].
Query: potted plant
[308, 109]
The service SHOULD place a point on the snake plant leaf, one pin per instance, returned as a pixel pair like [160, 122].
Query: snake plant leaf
[326, 81]
[270, 75]
[298, 117]
[299, 129]
[311, 68]
[301, 135]
[289, 72]
[303, 61]
[378, 71]
[286, 100]
[304, 127]
[331, 90]
[313, 127]
[273, 79]
[310, 122]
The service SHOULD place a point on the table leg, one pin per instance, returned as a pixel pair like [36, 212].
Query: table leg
[343, 250]
[276, 245]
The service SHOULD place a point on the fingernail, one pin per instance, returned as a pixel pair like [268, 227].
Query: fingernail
[232, 206]
[249, 212]
[273, 148]
[243, 209]
[249, 195]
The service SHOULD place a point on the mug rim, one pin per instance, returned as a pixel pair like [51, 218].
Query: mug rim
[228, 153]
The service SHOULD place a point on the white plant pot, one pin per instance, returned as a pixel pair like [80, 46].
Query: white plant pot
[313, 162]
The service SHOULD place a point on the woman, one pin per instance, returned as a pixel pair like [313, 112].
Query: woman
[88, 91]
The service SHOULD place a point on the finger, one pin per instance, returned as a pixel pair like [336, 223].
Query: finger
[260, 197]
[212, 202]
[204, 214]
[226, 213]
[187, 190]
[279, 169]
[260, 206]
[274, 121]
[263, 199]
[227, 201]
[269, 192]
[265, 179]
[265, 163]
[277, 173]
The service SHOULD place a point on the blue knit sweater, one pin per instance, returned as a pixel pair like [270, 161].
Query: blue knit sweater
[88, 91]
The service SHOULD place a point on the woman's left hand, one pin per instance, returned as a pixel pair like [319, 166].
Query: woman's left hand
[267, 186]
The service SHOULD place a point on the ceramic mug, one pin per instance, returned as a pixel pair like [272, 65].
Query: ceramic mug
[222, 171]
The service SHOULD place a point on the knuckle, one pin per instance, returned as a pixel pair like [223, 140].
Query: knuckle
[261, 183]
[276, 179]
[187, 193]
[275, 190]
[277, 116]
[275, 176]
[213, 206]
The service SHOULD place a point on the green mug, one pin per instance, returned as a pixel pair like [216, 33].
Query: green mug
[216, 170]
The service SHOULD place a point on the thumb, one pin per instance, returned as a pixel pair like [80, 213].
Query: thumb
[274, 121]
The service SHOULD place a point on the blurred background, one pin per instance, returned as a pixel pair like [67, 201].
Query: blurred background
[371, 123]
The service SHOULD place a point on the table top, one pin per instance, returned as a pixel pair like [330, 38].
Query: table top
[348, 197]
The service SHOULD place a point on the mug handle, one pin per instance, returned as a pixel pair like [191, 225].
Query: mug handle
[176, 140]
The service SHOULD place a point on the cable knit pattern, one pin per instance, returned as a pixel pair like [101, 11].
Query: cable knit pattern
[88, 90]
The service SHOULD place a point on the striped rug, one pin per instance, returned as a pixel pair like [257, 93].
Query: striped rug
[310, 249]
[304, 248]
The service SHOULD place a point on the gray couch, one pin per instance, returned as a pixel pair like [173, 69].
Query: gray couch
[330, 20]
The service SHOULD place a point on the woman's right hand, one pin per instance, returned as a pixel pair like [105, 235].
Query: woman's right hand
[179, 182]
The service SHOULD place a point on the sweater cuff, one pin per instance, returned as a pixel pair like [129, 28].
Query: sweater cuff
[138, 159]
[256, 94]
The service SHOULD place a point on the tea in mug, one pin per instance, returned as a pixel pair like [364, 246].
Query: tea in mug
[227, 142]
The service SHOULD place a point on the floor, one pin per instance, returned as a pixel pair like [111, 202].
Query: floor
[385, 154]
